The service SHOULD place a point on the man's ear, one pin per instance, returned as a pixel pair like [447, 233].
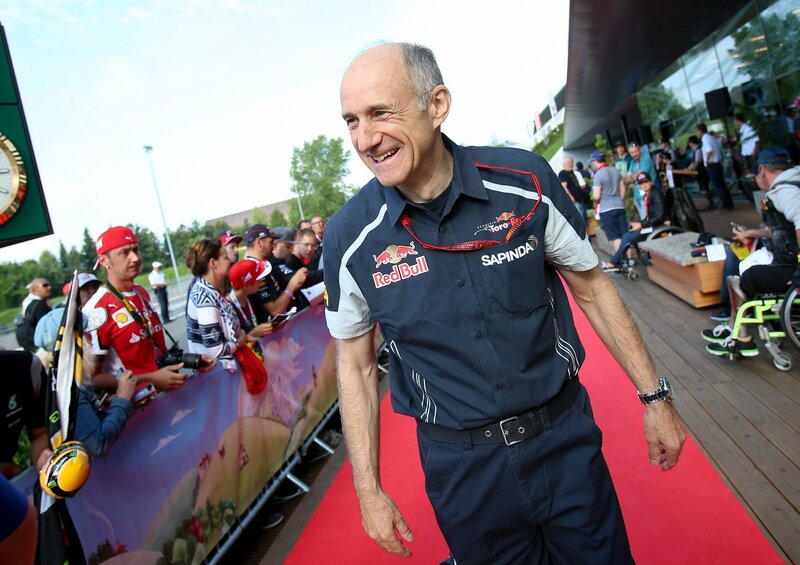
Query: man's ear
[439, 106]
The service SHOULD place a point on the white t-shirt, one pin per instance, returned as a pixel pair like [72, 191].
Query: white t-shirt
[749, 139]
[712, 144]
[157, 278]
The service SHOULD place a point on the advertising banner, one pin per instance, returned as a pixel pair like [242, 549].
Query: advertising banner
[189, 464]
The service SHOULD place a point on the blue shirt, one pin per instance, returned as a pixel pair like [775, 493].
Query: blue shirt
[475, 336]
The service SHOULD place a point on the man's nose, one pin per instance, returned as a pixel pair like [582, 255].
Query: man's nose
[365, 137]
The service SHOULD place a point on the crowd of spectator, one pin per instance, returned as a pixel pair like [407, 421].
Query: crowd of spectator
[231, 303]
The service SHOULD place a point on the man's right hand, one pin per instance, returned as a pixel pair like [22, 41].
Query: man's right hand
[384, 524]
[168, 378]
[298, 280]
[126, 385]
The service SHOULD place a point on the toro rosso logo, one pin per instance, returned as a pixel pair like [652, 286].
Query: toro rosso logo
[500, 223]
[392, 255]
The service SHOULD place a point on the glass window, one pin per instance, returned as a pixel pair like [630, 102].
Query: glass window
[781, 30]
[702, 75]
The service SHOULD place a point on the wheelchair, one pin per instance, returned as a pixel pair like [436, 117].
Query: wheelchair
[626, 267]
[778, 319]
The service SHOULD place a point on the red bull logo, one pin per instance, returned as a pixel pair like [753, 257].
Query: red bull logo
[505, 216]
[394, 254]
[400, 272]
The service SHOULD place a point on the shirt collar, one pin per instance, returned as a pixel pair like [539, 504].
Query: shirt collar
[466, 181]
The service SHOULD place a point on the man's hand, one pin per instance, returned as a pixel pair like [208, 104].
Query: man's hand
[168, 378]
[665, 433]
[261, 330]
[636, 226]
[206, 363]
[298, 280]
[384, 524]
[126, 385]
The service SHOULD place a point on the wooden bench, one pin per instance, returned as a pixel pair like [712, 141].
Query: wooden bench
[692, 279]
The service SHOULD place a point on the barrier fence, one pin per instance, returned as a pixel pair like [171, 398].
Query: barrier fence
[190, 467]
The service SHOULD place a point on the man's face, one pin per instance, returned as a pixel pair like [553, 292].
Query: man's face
[282, 250]
[646, 185]
[393, 138]
[318, 225]
[568, 164]
[305, 249]
[761, 178]
[41, 288]
[266, 244]
[123, 263]
[620, 149]
[87, 291]
[635, 152]
[232, 249]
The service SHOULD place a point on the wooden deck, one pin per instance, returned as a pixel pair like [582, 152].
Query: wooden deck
[744, 415]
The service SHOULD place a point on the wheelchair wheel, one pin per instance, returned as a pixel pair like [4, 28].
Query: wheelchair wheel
[782, 362]
[662, 231]
[790, 315]
[632, 275]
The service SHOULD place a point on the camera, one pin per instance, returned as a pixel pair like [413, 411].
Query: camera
[176, 355]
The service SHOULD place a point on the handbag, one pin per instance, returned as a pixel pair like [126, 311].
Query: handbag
[254, 372]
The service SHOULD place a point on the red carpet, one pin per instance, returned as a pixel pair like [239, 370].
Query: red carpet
[694, 519]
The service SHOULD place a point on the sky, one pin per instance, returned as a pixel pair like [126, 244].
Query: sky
[224, 89]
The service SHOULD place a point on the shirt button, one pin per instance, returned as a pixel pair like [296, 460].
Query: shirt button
[442, 229]
[477, 333]
[498, 385]
[460, 282]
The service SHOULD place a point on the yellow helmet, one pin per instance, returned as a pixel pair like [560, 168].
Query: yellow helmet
[66, 470]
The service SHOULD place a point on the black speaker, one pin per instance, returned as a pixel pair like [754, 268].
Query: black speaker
[647, 135]
[718, 103]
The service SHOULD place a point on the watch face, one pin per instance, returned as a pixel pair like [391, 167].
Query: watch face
[13, 179]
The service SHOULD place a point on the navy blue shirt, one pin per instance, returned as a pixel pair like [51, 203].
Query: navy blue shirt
[475, 336]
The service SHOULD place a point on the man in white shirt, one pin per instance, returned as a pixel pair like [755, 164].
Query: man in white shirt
[749, 139]
[158, 280]
[712, 159]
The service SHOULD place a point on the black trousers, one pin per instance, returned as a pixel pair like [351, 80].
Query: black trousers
[163, 301]
[717, 178]
[548, 499]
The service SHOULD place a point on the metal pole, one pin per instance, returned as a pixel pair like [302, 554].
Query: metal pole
[148, 149]
[300, 208]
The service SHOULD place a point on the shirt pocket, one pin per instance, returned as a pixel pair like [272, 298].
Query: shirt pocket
[514, 273]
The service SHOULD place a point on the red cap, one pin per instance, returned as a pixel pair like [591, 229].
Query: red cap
[227, 236]
[245, 272]
[643, 177]
[114, 237]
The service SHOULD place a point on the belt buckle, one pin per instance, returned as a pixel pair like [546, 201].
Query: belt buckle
[505, 432]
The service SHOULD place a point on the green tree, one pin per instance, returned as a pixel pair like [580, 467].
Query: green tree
[657, 104]
[318, 170]
[62, 257]
[258, 216]
[277, 219]
[150, 248]
[88, 252]
[50, 269]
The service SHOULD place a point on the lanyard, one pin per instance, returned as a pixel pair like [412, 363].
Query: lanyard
[134, 312]
[480, 243]
[251, 317]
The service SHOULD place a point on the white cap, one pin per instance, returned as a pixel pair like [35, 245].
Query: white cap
[156, 264]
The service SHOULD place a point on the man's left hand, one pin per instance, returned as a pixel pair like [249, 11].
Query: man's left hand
[665, 433]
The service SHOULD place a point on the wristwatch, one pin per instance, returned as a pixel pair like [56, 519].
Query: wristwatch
[663, 392]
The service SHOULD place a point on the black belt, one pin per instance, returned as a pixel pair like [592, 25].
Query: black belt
[509, 430]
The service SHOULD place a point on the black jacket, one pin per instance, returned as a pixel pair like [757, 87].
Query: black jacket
[656, 211]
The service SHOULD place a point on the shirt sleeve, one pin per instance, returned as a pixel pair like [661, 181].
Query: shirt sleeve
[99, 435]
[566, 243]
[204, 331]
[346, 310]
